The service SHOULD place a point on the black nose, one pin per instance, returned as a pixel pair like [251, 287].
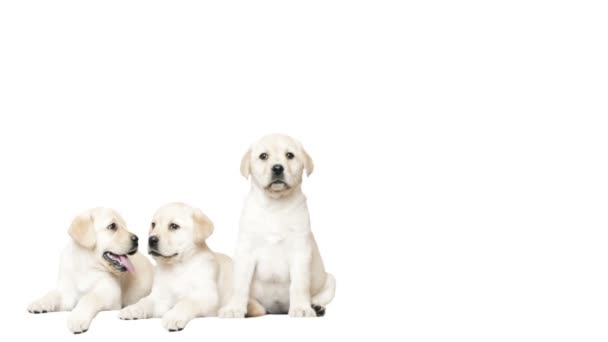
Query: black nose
[134, 238]
[277, 169]
[153, 241]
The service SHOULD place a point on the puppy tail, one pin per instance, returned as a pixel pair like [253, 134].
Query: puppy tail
[255, 309]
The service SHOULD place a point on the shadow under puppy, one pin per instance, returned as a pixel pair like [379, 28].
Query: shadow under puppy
[190, 279]
[100, 270]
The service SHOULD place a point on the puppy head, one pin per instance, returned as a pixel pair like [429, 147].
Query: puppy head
[276, 163]
[176, 231]
[104, 233]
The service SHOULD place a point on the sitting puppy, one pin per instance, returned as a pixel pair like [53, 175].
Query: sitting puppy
[277, 261]
[100, 270]
[190, 280]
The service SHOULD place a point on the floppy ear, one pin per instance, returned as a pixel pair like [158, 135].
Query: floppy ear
[203, 227]
[245, 167]
[308, 165]
[82, 231]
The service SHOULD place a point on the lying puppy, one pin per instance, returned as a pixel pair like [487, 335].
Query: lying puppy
[190, 280]
[277, 261]
[95, 273]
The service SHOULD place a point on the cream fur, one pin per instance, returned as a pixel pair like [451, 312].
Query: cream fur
[277, 261]
[190, 280]
[87, 283]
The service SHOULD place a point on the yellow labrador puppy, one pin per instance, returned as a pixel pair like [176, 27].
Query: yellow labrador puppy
[277, 262]
[100, 270]
[190, 279]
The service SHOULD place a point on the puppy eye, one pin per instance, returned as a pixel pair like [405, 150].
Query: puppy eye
[289, 155]
[264, 156]
[112, 226]
[153, 225]
[173, 226]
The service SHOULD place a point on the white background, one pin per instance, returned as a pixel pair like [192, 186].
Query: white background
[461, 179]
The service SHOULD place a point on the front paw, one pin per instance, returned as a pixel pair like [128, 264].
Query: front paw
[132, 312]
[302, 311]
[41, 306]
[78, 324]
[231, 311]
[175, 320]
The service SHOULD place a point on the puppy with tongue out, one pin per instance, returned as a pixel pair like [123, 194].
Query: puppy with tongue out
[100, 270]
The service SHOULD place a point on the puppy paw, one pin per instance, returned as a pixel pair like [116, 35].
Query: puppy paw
[41, 306]
[175, 320]
[232, 312]
[78, 324]
[132, 312]
[302, 311]
[319, 310]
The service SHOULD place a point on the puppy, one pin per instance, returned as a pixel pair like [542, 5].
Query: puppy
[100, 270]
[190, 279]
[277, 262]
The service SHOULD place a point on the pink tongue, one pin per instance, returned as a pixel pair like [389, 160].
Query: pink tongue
[125, 261]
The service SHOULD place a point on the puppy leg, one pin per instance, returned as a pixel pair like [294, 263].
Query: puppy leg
[299, 289]
[105, 296]
[187, 309]
[243, 272]
[147, 307]
[255, 309]
[49, 303]
[326, 294]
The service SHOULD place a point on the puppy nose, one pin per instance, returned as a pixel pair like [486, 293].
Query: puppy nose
[153, 241]
[277, 169]
[134, 238]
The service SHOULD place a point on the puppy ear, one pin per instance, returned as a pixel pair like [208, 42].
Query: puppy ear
[82, 231]
[308, 164]
[245, 164]
[203, 227]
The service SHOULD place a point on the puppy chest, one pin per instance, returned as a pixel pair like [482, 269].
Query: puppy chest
[179, 281]
[272, 266]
